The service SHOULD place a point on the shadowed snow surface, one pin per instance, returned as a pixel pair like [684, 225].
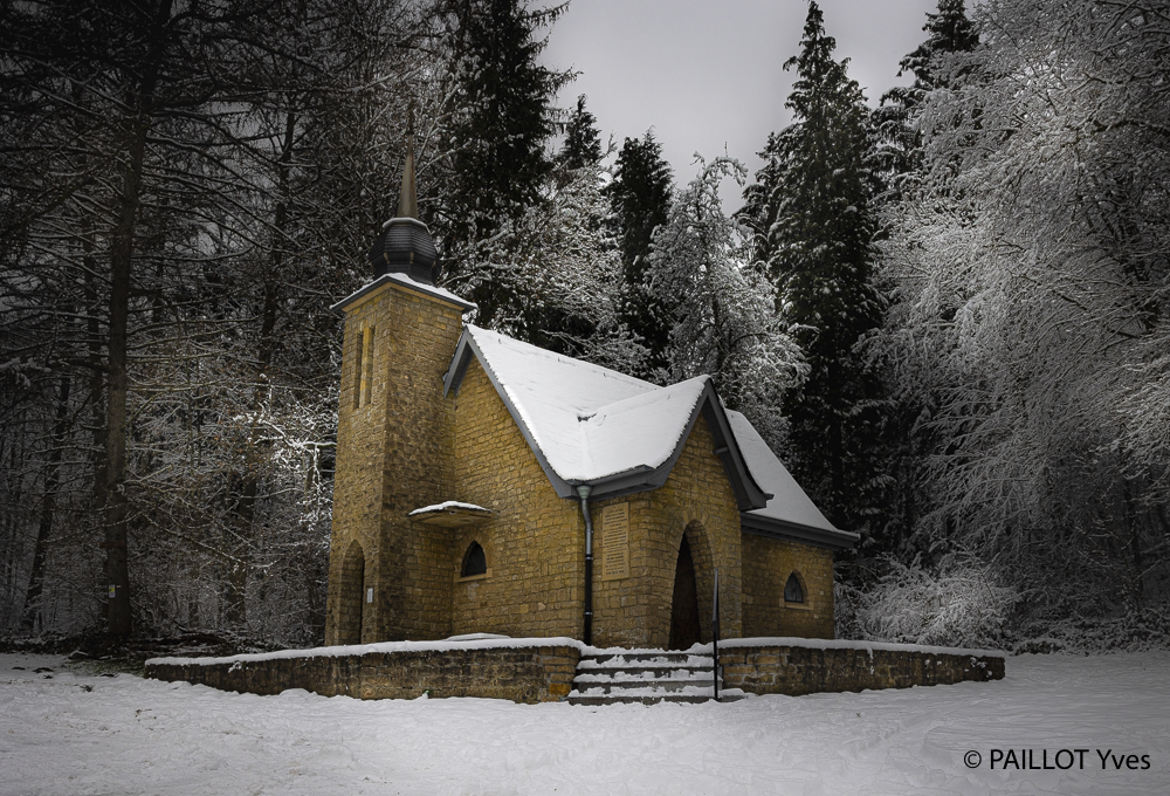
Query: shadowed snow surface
[65, 732]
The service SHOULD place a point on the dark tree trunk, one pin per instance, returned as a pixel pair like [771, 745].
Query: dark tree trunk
[244, 510]
[36, 579]
[116, 508]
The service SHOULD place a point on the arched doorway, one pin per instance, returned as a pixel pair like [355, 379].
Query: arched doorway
[353, 587]
[684, 611]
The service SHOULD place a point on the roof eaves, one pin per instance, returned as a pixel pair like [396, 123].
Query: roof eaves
[834, 539]
[748, 493]
[458, 367]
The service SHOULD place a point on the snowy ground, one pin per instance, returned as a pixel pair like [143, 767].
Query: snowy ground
[73, 732]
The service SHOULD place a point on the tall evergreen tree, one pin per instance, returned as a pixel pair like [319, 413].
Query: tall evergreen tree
[640, 197]
[501, 119]
[809, 212]
[582, 141]
[898, 143]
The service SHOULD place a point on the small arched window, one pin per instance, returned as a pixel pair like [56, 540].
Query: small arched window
[474, 561]
[793, 591]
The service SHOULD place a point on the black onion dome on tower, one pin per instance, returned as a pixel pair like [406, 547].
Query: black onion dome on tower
[405, 245]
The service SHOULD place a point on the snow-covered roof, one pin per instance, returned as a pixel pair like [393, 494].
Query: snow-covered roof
[789, 510]
[591, 425]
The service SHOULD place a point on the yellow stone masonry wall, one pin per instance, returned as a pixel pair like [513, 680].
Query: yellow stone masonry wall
[697, 499]
[767, 564]
[394, 455]
[535, 543]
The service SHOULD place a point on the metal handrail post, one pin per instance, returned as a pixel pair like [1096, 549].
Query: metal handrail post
[715, 636]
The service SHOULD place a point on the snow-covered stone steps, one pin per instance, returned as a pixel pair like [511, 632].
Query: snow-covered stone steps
[669, 685]
[646, 678]
[647, 660]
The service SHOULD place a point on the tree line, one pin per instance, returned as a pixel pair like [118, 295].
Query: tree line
[947, 313]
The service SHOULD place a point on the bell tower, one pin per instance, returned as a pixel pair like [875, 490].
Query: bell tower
[394, 440]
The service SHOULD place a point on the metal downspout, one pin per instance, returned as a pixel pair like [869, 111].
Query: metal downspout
[583, 491]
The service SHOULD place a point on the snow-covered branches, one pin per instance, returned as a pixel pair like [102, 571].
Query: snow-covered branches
[722, 320]
[1032, 276]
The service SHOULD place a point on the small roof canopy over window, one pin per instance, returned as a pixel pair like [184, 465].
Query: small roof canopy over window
[474, 561]
[793, 591]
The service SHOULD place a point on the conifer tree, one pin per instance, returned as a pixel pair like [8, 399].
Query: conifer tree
[501, 119]
[898, 144]
[582, 141]
[640, 197]
[809, 212]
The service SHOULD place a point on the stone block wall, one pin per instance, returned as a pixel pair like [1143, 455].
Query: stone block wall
[422, 331]
[696, 500]
[767, 563]
[795, 669]
[357, 496]
[394, 455]
[541, 673]
[534, 544]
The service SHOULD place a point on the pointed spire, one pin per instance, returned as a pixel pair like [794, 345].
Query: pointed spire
[405, 245]
[408, 194]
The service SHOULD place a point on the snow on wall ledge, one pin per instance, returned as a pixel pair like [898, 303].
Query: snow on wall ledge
[542, 669]
[522, 670]
[796, 666]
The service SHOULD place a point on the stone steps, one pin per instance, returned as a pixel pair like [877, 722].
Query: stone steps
[646, 677]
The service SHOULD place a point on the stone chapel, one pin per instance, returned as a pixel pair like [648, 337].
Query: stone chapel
[487, 485]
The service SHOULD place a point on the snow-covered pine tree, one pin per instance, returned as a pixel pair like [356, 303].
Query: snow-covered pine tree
[897, 142]
[501, 119]
[722, 318]
[582, 145]
[810, 215]
[640, 196]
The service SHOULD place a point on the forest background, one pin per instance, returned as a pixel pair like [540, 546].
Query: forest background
[950, 314]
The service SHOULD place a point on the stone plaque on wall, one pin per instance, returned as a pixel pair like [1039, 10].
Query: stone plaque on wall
[615, 541]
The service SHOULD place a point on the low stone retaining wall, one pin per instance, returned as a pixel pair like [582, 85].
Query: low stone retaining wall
[796, 666]
[522, 670]
[542, 669]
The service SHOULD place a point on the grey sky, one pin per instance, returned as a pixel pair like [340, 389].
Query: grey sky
[707, 74]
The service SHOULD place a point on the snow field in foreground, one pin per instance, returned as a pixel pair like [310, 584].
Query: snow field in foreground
[74, 732]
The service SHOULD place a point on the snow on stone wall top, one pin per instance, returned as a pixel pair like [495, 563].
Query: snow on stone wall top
[346, 650]
[849, 644]
[491, 641]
